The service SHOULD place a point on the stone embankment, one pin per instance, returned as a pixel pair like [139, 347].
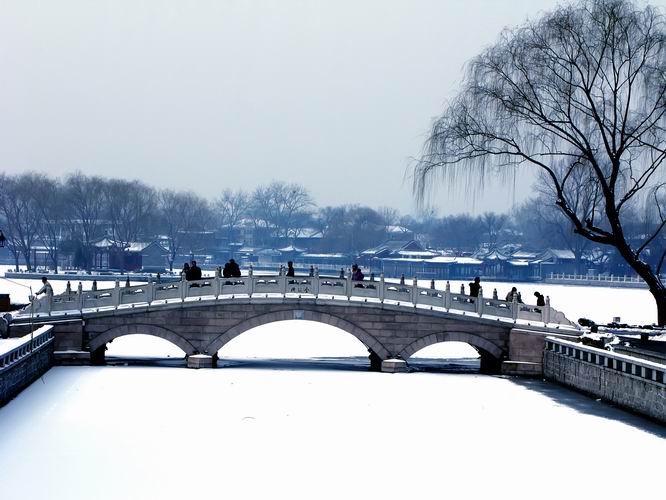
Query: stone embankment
[632, 383]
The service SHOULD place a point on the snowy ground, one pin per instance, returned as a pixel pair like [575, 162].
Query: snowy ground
[168, 433]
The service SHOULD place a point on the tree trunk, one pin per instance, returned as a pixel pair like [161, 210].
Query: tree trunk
[653, 281]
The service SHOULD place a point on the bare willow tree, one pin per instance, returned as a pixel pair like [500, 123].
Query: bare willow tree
[584, 87]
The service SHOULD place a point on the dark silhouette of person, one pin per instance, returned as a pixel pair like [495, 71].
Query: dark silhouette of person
[195, 271]
[541, 300]
[357, 274]
[474, 287]
[511, 294]
[290, 269]
[234, 269]
[226, 272]
[186, 272]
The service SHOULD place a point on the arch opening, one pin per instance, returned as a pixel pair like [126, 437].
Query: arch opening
[447, 356]
[489, 354]
[294, 344]
[140, 344]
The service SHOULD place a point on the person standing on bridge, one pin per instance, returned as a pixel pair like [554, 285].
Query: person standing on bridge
[185, 273]
[541, 300]
[195, 271]
[357, 274]
[234, 269]
[290, 269]
[46, 288]
[474, 287]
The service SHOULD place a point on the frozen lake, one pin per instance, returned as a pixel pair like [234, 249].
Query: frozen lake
[168, 433]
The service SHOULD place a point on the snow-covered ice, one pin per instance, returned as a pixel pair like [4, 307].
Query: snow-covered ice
[168, 433]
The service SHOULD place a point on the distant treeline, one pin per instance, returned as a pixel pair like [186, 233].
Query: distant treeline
[72, 213]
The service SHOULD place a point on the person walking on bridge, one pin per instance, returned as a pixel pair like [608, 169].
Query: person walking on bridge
[195, 271]
[290, 269]
[46, 288]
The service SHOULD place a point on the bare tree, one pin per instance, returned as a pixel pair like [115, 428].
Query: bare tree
[85, 200]
[231, 207]
[48, 197]
[181, 215]
[128, 206]
[493, 224]
[21, 215]
[583, 87]
[278, 208]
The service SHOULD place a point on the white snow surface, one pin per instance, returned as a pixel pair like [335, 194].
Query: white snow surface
[168, 433]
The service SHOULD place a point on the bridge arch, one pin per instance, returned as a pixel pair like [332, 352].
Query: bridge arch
[485, 347]
[145, 329]
[299, 314]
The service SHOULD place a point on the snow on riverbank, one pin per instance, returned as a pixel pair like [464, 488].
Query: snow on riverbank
[163, 433]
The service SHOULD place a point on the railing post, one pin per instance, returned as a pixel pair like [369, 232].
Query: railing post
[315, 282]
[447, 296]
[217, 282]
[495, 297]
[462, 289]
[514, 307]
[415, 291]
[68, 288]
[479, 302]
[116, 294]
[150, 292]
[382, 288]
[283, 282]
[545, 311]
[80, 292]
[183, 288]
[348, 284]
[250, 281]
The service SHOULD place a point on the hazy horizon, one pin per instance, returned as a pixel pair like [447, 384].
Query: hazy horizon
[336, 96]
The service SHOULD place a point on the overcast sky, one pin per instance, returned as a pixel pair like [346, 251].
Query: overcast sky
[203, 95]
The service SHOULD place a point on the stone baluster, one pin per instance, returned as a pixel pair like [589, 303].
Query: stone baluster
[150, 292]
[480, 302]
[514, 307]
[415, 291]
[68, 288]
[447, 296]
[315, 282]
[250, 281]
[495, 297]
[217, 282]
[127, 283]
[348, 284]
[116, 294]
[80, 293]
[94, 286]
[283, 282]
[432, 284]
[382, 288]
[462, 289]
[545, 311]
[159, 278]
[402, 279]
[184, 288]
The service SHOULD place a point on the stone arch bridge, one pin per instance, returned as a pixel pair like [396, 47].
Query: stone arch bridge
[392, 320]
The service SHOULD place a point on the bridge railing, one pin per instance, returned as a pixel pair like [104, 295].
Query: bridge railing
[318, 286]
[27, 345]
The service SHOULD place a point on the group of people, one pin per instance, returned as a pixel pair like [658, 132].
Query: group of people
[191, 271]
[231, 269]
[475, 287]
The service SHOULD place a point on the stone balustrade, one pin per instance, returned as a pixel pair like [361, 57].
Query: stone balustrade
[28, 344]
[256, 286]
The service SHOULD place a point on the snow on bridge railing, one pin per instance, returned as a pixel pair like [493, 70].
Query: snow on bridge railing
[641, 368]
[26, 345]
[253, 285]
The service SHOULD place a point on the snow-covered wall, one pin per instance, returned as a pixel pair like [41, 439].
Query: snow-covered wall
[21, 374]
[634, 386]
